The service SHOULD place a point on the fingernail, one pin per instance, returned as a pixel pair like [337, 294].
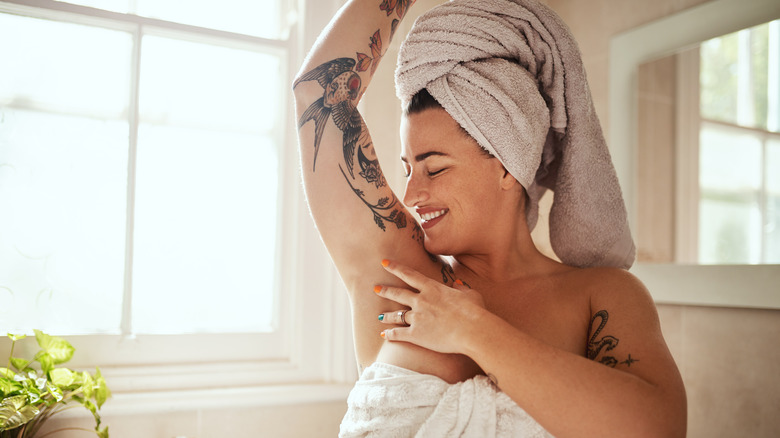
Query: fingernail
[459, 282]
[385, 262]
[381, 316]
[377, 288]
[382, 334]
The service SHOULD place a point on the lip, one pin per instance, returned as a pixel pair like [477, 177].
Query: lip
[435, 216]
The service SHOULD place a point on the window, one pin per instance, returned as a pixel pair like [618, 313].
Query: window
[739, 147]
[149, 195]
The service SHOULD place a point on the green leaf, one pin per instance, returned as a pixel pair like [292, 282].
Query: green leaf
[19, 363]
[15, 338]
[55, 392]
[14, 412]
[46, 361]
[5, 372]
[87, 384]
[9, 386]
[102, 393]
[59, 349]
[61, 377]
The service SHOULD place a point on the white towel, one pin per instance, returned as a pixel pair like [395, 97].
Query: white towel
[389, 401]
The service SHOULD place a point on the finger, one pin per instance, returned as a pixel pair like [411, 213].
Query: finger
[397, 294]
[396, 334]
[398, 317]
[408, 275]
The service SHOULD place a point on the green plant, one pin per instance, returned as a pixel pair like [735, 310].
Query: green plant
[31, 396]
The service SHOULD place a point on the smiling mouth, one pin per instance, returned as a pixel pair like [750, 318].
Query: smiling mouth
[432, 215]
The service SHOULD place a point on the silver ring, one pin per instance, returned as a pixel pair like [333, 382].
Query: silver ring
[402, 314]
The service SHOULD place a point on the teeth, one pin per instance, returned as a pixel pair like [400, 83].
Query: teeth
[433, 215]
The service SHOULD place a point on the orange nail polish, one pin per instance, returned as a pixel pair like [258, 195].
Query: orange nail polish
[385, 262]
[459, 282]
[377, 288]
[382, 334]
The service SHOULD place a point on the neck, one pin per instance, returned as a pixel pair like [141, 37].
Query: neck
[509, 256]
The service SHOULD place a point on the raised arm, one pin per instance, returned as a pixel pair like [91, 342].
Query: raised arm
[358, 216]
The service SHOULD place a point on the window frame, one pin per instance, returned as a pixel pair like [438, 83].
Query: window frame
[312, 338]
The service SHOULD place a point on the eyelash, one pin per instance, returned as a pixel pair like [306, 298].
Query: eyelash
[407, 174]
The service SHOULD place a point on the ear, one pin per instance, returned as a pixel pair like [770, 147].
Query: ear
[508, 182]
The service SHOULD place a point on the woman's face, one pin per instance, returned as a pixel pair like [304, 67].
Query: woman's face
[456, 189]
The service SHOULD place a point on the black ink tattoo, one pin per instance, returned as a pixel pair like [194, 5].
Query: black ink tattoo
[417, 233]
[386, 204]
[447, 274]
[341, 91]
[370, 170]
[605, 344]
[629, 361]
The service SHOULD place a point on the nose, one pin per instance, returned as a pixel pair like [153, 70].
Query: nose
[415, 191]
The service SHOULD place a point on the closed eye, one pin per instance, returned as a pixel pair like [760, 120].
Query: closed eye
[436, 172]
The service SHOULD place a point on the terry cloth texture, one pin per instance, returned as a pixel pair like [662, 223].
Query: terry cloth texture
[390, 401]
[510, 72]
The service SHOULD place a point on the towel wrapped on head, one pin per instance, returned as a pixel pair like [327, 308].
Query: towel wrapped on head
[510, 72]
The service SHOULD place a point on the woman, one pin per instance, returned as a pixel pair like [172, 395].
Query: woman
[470, 330]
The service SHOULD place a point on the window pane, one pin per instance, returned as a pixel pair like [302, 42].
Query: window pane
[206, 195]
[204, 86]
[252, 17]
[735, 77]
[63, 173]
[729, 159]
[64, 67]
[730, 164]
[718, 78]
[729, 232]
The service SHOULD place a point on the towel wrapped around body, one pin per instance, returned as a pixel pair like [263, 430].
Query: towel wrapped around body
[510, 73]
[390, 401]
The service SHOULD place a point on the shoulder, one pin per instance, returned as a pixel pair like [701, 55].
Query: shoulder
[604, 283]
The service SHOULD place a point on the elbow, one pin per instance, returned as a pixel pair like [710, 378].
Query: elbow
[670, 418]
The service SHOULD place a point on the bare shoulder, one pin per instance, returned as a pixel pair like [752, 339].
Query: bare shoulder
[625, 331]
[604, 284]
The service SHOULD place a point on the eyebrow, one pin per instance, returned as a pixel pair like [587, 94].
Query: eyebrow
[425, 155]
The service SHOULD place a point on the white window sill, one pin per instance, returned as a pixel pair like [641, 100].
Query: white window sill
[146, 403]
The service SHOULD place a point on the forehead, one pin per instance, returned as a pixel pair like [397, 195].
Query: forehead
[433, 130]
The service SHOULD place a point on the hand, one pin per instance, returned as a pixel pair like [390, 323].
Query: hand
[439, 315]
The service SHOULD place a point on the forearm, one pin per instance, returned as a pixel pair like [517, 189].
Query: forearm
[361, 31]
[570, 395]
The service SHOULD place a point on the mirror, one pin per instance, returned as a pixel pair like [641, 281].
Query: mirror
[708, 144]
[679, 280]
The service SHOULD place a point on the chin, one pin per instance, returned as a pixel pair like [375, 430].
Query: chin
[437, 248]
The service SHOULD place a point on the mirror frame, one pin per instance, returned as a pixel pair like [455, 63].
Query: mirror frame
[756, 286]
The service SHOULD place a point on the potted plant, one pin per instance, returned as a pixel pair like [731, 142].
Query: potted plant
[34, 390]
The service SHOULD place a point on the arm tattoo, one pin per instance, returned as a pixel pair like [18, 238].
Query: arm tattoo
[340, 95]
[606, 343]
[395, 215]
[364, 61]
[400, 7]
[341, 91]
